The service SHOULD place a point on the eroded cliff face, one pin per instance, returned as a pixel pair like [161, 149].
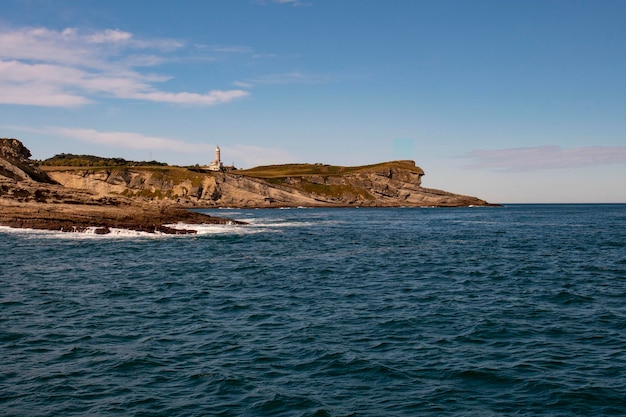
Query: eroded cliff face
[29, 198]
[21, 180]
[390, 185]
[15, 163]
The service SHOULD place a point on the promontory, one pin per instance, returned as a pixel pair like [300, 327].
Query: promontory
[75, 192]
[30, 198]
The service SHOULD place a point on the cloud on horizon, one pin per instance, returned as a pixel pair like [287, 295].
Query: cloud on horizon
[242, 155]
[43, 67]
[129, 140]
[545, 157]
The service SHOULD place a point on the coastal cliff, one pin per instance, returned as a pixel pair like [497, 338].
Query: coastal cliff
[29, 198]
[390, 184]
[151, 197]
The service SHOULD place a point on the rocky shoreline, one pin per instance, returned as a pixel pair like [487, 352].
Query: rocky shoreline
[30, 199]
[148, 199]
[81, 217]
[387, 184]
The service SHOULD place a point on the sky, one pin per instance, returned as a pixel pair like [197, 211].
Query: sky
[518, 101]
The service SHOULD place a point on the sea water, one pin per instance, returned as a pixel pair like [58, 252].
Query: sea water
[518, 310]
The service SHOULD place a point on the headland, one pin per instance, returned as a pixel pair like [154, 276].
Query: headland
[72, 193]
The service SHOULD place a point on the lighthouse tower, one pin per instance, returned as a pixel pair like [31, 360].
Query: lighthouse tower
[217, 164]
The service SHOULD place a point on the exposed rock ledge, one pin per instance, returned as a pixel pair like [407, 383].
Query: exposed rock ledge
[29, 198]
[82, 216]
[148, 198]
[390, 184]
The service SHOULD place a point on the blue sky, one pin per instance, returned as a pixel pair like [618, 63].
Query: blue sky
[510, 101]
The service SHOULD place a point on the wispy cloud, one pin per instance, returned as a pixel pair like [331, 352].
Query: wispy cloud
[242, 155]
[545, 157]
[247, 156]
[295, 77]
[43, 67]
[294, 3]
[110, 35]
[129, 140]
[243, 84]
[264, 56]
[233, 49]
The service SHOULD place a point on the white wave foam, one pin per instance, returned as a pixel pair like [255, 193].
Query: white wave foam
[255, 225]
[88, 233]
[211, 229]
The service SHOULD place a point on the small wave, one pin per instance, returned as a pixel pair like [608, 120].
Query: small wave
[277, 223]
[210, 229]
[87, 233]
[254, 226]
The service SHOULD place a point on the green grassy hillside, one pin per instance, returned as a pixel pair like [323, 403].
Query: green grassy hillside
[71, 160]
[299, 170]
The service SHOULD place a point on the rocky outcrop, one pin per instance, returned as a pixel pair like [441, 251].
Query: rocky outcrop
[392, 184]
[101, 216]
[16, 165]
[29, 198]
[148, 198]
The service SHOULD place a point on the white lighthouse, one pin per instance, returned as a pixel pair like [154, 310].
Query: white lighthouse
[217, 164]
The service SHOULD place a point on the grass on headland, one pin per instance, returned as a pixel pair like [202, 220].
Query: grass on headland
[298, 170]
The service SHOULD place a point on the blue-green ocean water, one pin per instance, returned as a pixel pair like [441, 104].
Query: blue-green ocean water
[519, 310]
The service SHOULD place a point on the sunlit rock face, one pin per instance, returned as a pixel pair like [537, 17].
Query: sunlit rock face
[391, 184]
[29, 198]
[15, 163]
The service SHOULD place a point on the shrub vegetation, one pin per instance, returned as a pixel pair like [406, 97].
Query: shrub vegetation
[71, 160]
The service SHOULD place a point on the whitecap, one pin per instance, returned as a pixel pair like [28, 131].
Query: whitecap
[87, 233]
[211, 229]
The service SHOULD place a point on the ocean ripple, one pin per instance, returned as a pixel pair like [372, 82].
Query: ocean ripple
[397, 312]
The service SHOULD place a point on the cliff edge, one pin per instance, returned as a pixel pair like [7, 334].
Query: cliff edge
[29, 198]
[148, 198]
[389, 184]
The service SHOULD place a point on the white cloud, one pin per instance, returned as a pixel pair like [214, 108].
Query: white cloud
[294, 3]
[233, 49]
[545, 157]
[52, 85]
[39, 95]
[264, 56]
[242, 155]
[210, 98]
[246, 156]
[43, 67]
[129, 140]
[71, 47]
[295, 77]
[242, 84]
[110, 35]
